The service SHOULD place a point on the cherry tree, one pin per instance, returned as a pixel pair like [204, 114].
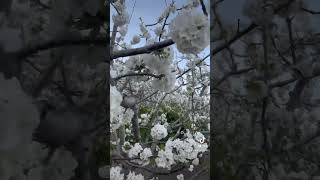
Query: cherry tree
[56, 114]
[159, 92]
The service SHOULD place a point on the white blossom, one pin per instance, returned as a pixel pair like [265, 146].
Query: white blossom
[180, 177]
[115, 173]
[133, 176]
[190, 31]
[135, 39]
[135, 150]
[144, 31]
[145, 154]
[195, 161]
[159, 132]
[198, 136]
[191, 168]
[165, 159]
[123, 30]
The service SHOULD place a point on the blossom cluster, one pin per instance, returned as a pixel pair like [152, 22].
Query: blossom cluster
[115, 174]
[160, 63]
[182, 151]
[190, 31]
[159, 132]
[118, 115]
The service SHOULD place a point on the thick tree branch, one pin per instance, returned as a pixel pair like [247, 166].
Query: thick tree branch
[142, 50]
[138, 74]
[61, 43]
[152, 170]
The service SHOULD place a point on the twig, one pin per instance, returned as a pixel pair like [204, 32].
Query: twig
[186, 71]
[225, 77]
[310, 11]
[203, 8]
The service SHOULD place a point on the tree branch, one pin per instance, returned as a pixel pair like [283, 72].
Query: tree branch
[138, 74]
[168, 42]
[225, 77]
[203, 8]
[60, 43]
[141, 50]
[310, 11]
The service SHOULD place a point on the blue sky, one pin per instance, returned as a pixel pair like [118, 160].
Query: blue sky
[149, 11]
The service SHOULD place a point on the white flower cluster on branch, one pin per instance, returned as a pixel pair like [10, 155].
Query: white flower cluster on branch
[181, 151]
[118, 115]
[116, 174]
[159, 132]
[161, 63]
[122, 17]
[190, 31]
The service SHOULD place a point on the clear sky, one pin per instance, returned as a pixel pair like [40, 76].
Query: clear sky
[149, 11]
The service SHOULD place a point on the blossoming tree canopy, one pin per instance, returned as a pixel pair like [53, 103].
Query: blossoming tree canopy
[51, 70]
[159, 88]
[265, 101]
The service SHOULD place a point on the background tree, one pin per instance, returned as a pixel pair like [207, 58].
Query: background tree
[53, 88]
[264, 97]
